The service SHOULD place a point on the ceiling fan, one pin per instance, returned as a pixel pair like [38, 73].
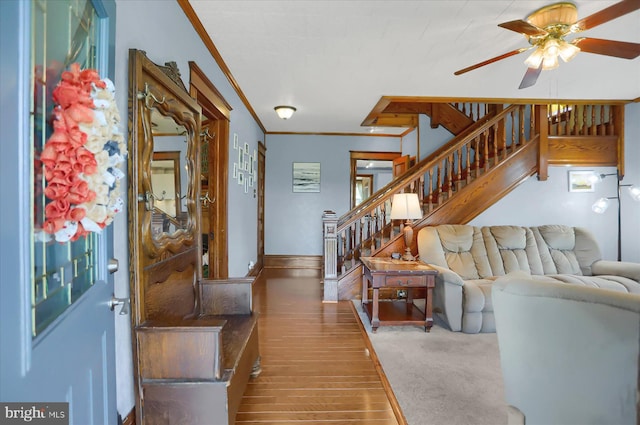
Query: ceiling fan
[546, 29]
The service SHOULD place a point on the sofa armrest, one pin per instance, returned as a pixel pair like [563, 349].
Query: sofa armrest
[448, 276]
[617, 268]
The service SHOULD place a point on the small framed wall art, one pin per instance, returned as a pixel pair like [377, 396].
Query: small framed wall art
[306, 177]
[581, 181]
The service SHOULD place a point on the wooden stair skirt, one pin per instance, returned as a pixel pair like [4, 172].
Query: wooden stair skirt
[195, 371]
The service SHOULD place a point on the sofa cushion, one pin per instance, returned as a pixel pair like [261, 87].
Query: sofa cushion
[461, 247]
[614, 283]
[556, 244]
[511, 249]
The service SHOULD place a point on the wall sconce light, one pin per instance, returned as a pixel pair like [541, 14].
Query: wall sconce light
[284, 112]
[602, 204]
[406, 206]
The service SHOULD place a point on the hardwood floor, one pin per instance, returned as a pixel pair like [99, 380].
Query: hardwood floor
[317, 368]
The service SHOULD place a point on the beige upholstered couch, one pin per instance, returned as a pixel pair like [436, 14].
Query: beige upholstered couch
[470, 258]
[569, 354]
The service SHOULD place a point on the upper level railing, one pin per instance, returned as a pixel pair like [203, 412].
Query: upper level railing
[581, 120]
[473, 110]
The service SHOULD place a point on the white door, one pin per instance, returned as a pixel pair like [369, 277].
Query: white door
[56, 328]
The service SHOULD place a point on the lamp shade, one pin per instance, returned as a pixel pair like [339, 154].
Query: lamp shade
[600, 206]
[405, 206]
[285, 112]
[634, 191]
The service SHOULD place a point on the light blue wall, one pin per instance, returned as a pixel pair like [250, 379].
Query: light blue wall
[410, 144]
[431, 138]
[550, 202]
[293, 221]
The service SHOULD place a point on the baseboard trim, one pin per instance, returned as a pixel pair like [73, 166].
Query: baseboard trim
[293, 262]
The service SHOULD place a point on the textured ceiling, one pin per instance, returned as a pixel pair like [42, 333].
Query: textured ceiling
[334, 60]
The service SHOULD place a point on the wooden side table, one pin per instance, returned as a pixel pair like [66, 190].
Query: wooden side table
[384, 272]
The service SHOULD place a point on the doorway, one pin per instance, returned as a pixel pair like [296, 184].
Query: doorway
[370, 171]
[214, 158]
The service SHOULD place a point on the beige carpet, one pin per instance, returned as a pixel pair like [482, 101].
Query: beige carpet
[441, 377]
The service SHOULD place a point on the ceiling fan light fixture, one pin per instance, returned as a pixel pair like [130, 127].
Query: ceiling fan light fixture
[285, 112]
[535, 59]
[568, 51]
[550, 62]
[551, 48]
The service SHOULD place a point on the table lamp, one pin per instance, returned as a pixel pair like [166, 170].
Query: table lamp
[406, 206]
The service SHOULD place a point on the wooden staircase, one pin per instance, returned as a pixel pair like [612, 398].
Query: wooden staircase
[499, 149]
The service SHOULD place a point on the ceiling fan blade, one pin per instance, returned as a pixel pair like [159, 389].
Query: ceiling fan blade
[606, 15]
[530, 77]
[492, 60]
[522, 27]
[618, 49]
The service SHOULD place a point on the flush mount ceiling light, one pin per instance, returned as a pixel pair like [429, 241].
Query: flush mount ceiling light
[284, 112]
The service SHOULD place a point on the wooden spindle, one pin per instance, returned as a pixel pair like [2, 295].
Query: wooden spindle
[343, 244]
[468, 163]
[532, 121]
[612, 130]
[459, 169]
[514, 141]
[430, 187]
[493, 132]
[521, 124]
[449, 177]
[485, 149]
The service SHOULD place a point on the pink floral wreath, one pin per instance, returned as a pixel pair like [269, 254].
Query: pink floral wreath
[82, 156]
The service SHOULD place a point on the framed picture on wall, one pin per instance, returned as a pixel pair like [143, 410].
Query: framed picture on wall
[306, 177]
[581, 181]
[240, 159]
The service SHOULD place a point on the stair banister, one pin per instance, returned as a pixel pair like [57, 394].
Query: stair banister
[409, 175]
[368, 222]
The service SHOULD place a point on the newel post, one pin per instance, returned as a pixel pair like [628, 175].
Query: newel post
[330, 256]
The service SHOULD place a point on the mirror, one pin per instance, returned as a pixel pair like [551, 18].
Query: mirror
[165, 131]
[364, 183]
[166, 188]
[371, 175]
[370, 171]
[168, 182]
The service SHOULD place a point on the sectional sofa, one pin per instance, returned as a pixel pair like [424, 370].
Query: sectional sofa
[470, 258]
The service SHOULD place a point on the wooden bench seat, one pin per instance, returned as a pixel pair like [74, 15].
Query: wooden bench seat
[195, 371]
